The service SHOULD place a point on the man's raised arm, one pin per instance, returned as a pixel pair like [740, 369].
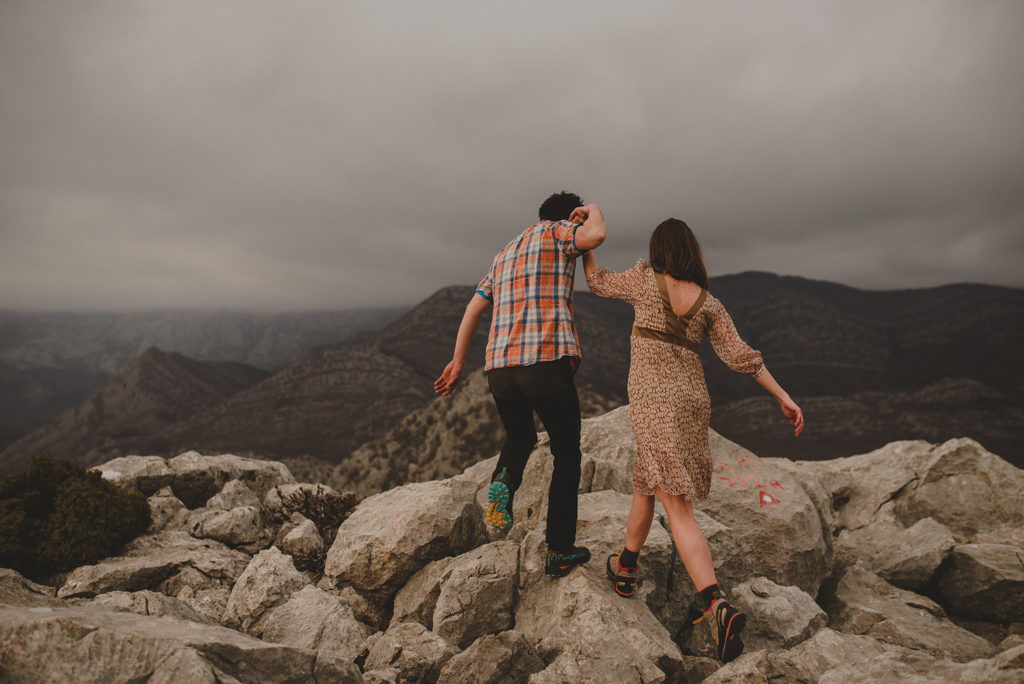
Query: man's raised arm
[593, 231]
[445, 384]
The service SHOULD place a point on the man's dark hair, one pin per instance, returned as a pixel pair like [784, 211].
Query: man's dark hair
[559, 206]
[675, 251]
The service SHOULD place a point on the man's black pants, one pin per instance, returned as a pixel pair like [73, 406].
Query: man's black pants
[547, 388]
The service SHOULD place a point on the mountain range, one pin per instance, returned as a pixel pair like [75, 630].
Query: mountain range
[868, 367]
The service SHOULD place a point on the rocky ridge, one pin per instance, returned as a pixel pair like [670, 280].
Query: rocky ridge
[903, 563]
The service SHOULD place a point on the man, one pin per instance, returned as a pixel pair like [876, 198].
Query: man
[532, 354]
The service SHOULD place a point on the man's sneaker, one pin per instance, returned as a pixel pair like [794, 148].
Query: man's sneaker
[623, 579]
[559, 563]
[725, 623]
[499, 505]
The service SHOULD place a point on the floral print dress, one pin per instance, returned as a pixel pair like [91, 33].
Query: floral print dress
[669, 405]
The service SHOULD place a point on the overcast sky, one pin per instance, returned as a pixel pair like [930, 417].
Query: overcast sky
[300, 155]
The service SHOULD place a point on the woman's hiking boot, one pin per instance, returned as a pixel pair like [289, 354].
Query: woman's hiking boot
[559, 563]
[725, 623]
[499, 504]
[623, 579]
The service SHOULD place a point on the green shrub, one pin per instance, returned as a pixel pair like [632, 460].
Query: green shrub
[56, 515]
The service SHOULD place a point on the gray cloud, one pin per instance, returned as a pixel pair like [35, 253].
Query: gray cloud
[319, 154]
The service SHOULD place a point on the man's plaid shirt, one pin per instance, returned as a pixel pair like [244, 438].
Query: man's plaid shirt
[530, 284]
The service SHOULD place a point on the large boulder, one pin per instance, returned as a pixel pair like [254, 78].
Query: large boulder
[416, 652]
[233, 495]
[16, 590]
[152, 560]
[150, 603]
[777, 616]
[464, 597]
[866, 604]
[269, 579]
[973, 492]
[192, 477]
[505, 658]
[985, 582]
[905, 556]
[832, 657]
[586, 632]
[83, 644]
[319, 621]
[391, 535]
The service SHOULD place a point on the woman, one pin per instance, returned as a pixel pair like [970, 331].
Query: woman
[670, 409]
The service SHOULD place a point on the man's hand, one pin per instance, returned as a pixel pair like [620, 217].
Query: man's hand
[445, 384]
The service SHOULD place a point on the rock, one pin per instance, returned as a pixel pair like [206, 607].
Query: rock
[387, 675]
[974, 493]
[197, 478]
[167, 511]
[906, 557]
[303, 541]
[83, 644]
[665, 586]
[210, 602]
[584, 630]
[150, 603]
[146, 474]
[192, 477]
[866, 604]
[477, 594]
[240, 527]
[777, 616]
[233, 495]
[317, 502]
[151, 560]
[984, 581]
[319, 621]
[416, 601]
[184, 665]
[268, 580]
[505, 658]
[425, 521]
[16, 590]
[411, 648]
[831, 657]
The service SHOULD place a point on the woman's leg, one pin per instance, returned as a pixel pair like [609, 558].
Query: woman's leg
[690, 542]
[641, 513]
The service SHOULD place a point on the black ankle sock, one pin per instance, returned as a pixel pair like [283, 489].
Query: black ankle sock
[628, 558]
[709, 594]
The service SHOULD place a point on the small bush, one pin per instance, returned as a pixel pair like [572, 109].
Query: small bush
[56, 515]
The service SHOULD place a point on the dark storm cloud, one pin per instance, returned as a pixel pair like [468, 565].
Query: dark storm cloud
[321, 154]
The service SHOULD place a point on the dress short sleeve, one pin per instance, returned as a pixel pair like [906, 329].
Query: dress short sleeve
[628, 285]
[565, 235]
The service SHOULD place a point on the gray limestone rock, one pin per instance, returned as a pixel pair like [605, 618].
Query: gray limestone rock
[16, 590]
[505, 658]
[477, 594]
[866, 604]
[319, 621]
[240, 528]
[303, 541]
[985, 581]
[84, 644]
[777, 616]
[150, 603]
[149, 561]
[906, 557]
[415, 602]
[393, 534]
[268, 580]
[417, 653]
[232, 495]
[167, 511]
[584, 630]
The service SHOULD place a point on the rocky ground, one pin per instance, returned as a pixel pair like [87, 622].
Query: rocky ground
[906, 563]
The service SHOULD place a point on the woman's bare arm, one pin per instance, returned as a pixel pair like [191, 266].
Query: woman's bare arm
[786, 403]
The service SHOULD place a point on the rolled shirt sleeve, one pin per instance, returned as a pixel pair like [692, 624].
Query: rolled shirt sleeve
[565, 235]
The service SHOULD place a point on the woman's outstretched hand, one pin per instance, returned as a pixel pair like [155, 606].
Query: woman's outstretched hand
[445, 384]
[793, 413]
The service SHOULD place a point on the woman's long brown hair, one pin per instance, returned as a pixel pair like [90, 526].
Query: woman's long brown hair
[675, 251]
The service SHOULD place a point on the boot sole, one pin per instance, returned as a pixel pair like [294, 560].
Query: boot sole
[498, 516]
[733, 644]
[616, 581]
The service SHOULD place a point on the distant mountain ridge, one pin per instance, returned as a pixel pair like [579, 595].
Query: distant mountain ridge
[50, 362]
[156, 390]
[918, 353]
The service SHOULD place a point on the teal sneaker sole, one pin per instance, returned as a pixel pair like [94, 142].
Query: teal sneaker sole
[498, 514]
